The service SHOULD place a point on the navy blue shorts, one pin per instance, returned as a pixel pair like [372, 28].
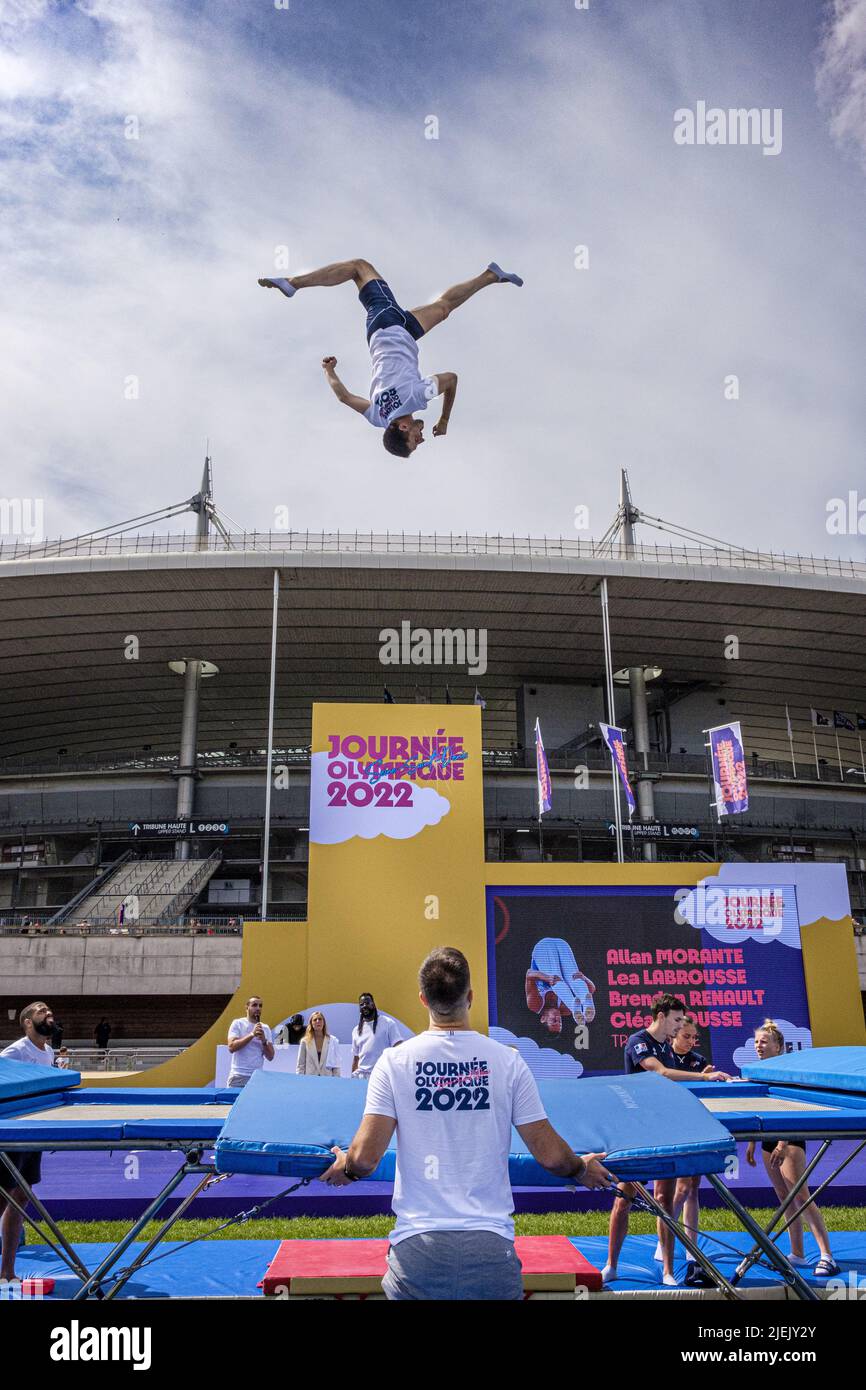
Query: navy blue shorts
[383, 311]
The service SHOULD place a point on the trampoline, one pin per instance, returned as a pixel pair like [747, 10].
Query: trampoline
[283, 1125]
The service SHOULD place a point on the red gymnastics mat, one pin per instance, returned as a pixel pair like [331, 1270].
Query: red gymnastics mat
[336, 1267]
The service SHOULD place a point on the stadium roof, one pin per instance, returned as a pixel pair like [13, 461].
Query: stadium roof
[67, 610]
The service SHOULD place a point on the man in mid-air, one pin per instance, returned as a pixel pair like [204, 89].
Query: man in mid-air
[397, 388]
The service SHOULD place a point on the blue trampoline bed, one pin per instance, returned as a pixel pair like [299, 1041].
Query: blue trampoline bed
[286, 1126]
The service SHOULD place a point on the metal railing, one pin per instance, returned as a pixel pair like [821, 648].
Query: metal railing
[493, 759]
[419, 543]
[115, 1059]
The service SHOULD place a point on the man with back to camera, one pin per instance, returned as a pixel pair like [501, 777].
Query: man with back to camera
[37, 1021]
[398, 387]
[452, 1095]
[250, 1044]
[650, 1049]
[371, 1035]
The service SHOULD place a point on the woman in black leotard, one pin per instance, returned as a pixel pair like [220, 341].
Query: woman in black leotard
[785, 1161]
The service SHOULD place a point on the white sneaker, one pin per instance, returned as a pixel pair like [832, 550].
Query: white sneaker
[608, 1274]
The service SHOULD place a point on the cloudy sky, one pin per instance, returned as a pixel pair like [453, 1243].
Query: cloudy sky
[260, 127]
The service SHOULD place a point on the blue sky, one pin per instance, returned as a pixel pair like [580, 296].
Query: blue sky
[137, 259]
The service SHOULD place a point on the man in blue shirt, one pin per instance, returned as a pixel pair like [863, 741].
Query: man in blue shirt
[649, 1049]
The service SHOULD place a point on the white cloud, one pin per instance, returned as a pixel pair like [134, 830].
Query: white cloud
[841, 73]
[139, 258]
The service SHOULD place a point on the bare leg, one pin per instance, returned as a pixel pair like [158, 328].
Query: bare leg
[11, 1224]
[664, 1194]
[618, 1229]
[781, 1187]
[338, 273]
[792, 1168]
[428, 315]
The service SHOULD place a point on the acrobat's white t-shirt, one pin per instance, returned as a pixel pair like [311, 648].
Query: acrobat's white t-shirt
[252, 1057]
[455, 1097]
[26, 1051]
[397, 387]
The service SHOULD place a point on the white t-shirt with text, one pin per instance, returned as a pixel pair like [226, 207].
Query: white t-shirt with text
[26, 1051]
[252, 1057]
[455, 1097]
[397, 387]
[368, 1046]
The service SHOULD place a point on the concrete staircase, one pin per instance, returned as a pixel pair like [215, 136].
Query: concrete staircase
[154, 892]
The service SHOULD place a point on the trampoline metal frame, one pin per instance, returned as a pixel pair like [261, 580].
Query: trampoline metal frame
[92, 1281]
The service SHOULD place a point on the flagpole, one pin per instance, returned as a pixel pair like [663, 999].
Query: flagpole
[791, 742]
[862, 764]
[838, 753]
[714, 803]
[611, 716]
[815, 746]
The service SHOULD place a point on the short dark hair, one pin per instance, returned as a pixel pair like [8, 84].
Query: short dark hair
[30, 1009]
[395, 442]
[444, 980]
[667, 1004]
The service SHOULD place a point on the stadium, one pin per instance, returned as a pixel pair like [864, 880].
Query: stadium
[164, 695]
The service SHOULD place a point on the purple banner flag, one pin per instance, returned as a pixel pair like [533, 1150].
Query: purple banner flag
[615, 740]
[545, 788]
[729, 769]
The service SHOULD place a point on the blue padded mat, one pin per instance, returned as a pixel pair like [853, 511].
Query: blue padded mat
[20, 1079]
[287, 1125]
[235, 1267]
[825, 1068]
[20, 1118]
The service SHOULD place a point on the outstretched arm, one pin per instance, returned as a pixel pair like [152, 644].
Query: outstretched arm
[345, 397]
[448, 387]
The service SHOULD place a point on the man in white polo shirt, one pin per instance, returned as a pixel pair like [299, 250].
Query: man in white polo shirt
[37, 1021]
[453, 1094]
[250, 1043]
[398, 387]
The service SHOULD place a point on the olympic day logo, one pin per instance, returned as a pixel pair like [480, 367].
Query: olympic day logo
[457, 1086]
[368, 785]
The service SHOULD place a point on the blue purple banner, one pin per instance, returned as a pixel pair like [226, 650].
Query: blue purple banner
[545, 788]
[615, 740]
[729, 769]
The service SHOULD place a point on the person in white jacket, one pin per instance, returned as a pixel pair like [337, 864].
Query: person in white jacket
[317, 1053]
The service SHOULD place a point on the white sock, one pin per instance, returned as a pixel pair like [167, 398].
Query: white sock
[285, 286]
[608, 1273]
[658, 1254]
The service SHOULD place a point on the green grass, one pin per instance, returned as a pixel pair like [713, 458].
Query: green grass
[584, 1223]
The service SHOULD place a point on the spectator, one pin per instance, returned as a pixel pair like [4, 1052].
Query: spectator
[102, 1032]
[292, 1032]
[36, 1021]
[318, 1053]
[250, 1043]
[62, 1059]
[454, 1237]
[372, 1034]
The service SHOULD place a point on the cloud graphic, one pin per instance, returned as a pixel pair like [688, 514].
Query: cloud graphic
[333, 825]
[542, 1061]
[799, 1037]
[705, 910]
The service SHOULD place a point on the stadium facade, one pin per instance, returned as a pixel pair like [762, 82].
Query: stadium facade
[137, 678]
